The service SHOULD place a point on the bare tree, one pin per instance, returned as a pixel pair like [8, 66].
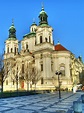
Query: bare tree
[27, 75]
[11, 70]
[32, 75]
[3, 72]
[36, 76]
[15, 72]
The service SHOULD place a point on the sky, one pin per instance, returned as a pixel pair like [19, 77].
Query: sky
[65, 16]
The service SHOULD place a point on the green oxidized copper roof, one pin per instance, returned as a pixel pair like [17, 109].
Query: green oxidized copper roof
[12, 32]
[12, 28]
[42, 11]
[30, 35]
[44, 25]
[34, 23]
[12, 38]
[43, 17]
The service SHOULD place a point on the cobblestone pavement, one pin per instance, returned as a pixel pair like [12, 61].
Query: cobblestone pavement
[40, 103]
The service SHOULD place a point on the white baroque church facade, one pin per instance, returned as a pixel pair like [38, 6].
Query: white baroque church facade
[34, 66]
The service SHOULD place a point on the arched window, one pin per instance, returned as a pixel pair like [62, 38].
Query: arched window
[41, 18]
[32, 29]
[11, 50]
[15, 50]
[26, 46]
[7, 49]
[40, 39]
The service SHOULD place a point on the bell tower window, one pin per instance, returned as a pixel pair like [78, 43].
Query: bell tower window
[11, 50]
[8, 50]
[15, 50]
[32, 29]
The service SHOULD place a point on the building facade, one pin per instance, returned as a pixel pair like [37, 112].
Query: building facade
[34, 66]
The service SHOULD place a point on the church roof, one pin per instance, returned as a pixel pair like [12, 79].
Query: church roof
[29, 35]
[59, 47]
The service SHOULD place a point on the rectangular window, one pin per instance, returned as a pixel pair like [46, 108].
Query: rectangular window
[41, 67]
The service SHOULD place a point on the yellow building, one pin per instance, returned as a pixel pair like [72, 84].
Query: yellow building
[34, 66]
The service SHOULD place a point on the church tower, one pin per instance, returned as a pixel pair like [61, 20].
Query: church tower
[11, 44]
[33, 27]
[44, 38]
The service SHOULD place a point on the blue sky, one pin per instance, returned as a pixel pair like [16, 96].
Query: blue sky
[65, 16]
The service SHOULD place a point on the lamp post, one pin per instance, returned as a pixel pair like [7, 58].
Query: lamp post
[59, 73]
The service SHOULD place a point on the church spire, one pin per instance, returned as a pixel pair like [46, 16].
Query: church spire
[43, 16]
[42, 7]
[12, 31]
[12, 22]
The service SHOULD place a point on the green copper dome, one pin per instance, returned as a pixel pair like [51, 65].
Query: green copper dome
[43, 17]
[42, 11]
[34, 24]
[12, 31]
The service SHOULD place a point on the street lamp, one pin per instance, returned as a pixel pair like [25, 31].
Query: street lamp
[59, 73]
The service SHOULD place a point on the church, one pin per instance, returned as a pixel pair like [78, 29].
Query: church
[35, 63]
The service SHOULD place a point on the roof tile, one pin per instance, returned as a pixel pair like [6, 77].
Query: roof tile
[59, 47]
